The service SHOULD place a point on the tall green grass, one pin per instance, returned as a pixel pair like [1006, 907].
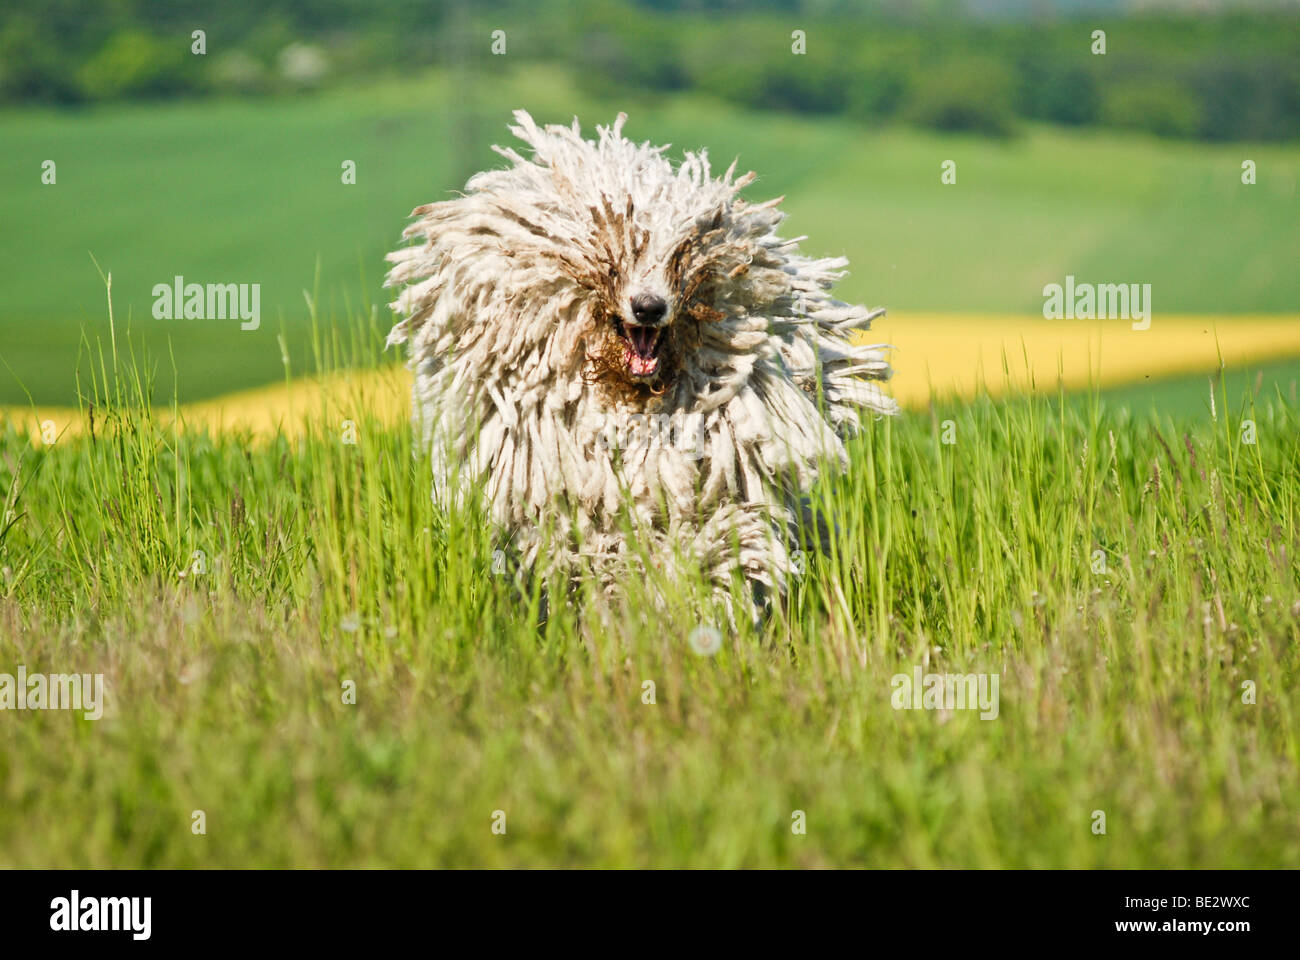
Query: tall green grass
[231, 587]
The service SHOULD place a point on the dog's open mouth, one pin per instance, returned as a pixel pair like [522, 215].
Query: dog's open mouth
[642, 346]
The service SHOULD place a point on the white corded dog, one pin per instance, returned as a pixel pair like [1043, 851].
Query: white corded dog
[626, 362]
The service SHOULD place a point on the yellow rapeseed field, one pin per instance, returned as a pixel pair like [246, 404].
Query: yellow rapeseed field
[954, 354]
[935, 355]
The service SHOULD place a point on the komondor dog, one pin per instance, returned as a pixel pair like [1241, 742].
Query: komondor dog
[628, 365]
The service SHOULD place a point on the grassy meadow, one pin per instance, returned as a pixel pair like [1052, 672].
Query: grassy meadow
[231, 587]
[1109, 545]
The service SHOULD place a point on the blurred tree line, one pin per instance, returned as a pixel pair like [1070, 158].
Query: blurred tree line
[1226, 75]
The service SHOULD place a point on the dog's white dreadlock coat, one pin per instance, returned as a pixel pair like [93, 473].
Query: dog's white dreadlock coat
[598, 337]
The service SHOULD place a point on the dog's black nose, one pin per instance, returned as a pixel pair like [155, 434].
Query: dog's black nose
[648, 308]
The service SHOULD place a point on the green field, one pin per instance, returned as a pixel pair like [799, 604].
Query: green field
[1123, 562]
[1189, 396]
[1123, 689]
[251, 192]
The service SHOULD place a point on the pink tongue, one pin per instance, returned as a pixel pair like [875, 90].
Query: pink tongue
[641, 366]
